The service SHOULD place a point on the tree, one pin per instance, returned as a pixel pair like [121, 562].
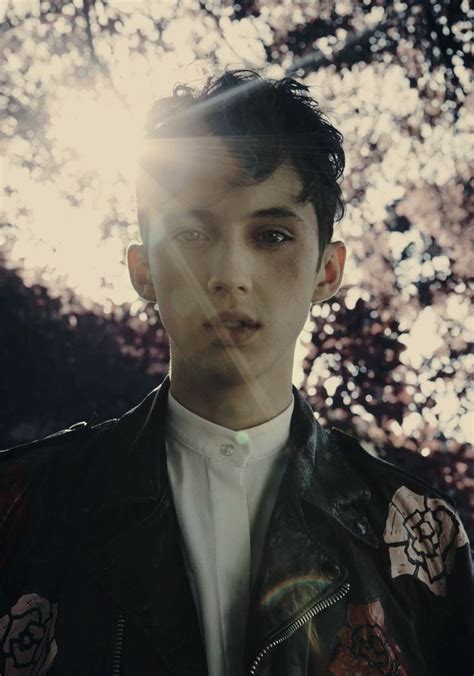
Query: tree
[388, 359]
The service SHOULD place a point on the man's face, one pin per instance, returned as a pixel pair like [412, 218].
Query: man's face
[209, 251]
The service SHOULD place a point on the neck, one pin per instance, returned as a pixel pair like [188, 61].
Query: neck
[237, 405]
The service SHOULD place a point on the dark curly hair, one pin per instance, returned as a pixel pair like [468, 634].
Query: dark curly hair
[266, 122]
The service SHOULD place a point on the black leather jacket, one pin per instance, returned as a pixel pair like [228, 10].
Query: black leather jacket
[365, 569]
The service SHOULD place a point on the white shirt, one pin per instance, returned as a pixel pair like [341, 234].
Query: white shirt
[224, 485]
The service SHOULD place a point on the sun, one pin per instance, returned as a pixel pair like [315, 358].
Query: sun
[100, 132]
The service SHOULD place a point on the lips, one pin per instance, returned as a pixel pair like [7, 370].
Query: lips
[226, 334]
[228, 337]
[220, 319]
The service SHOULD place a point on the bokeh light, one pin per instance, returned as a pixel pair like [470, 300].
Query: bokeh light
[389, 358]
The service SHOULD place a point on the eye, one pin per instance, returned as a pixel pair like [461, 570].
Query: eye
[189, 236]
[277, 237]
[274, 238]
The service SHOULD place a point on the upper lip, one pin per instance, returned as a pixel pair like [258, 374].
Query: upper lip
[231, 316]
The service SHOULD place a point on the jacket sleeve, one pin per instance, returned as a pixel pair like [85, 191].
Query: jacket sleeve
[456, 645]
[25, 501]
[25, 613]
[14, 483]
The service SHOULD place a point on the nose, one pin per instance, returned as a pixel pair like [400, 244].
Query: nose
[229, 270]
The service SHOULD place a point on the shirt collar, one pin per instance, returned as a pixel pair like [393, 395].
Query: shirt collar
[323, 470]
[214, 441]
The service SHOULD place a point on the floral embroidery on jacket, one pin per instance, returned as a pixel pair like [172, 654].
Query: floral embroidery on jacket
[423, 534]
[27, 643]
[364, 645]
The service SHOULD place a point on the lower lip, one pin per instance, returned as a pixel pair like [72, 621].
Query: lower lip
[230, 337]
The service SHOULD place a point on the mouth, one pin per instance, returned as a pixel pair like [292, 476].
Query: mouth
[231, 334]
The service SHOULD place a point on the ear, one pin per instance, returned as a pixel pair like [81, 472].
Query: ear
[139, 272]
[330, 274]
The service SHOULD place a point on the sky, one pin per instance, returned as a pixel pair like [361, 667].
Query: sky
[60, 207]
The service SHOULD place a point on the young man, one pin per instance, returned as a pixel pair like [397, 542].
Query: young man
[217, 528]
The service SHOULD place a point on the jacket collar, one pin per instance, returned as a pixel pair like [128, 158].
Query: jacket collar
[132, 534]
[299, 568]
[321, 474]
[318, 470]
[131, 540]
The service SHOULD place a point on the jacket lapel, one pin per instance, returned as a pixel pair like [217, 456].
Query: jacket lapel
[297, 569]
[131, 534]
[132, 537]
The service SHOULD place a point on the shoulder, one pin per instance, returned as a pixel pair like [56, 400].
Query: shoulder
[33, 474]
[51, 447]
[412, 510]
[31, 465]
[418, 525]
[382, 475]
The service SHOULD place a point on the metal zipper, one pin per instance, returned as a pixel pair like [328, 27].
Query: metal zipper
[297, 624]
[117, 656]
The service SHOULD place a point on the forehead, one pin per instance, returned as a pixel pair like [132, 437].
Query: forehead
[203, 173]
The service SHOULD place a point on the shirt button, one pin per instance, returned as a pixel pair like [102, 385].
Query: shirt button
[227, 449]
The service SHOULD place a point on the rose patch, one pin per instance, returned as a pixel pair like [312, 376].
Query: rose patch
[364, 645]
[27, 643]
[423, 535]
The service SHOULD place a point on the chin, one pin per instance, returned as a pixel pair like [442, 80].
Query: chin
[222, 372]
[223, 376]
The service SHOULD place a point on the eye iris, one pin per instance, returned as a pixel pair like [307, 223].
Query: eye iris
[271, 236]
[275, 234]
[190, 235]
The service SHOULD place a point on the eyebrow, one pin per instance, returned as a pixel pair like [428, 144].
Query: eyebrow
[278, 212]
[281, 212]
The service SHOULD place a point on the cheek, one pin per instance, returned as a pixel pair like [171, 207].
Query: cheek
[293, 286]
[293, 278]
[165, 266]
[289, 270]
[179, 291]
[179, 305]
[177, 268]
